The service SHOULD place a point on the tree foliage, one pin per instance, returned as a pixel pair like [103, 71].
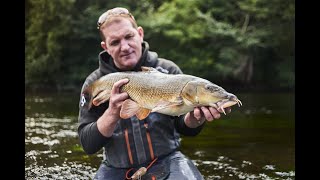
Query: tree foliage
[247, 43]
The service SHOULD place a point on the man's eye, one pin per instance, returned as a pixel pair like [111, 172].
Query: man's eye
[129, 36]
[114, 43]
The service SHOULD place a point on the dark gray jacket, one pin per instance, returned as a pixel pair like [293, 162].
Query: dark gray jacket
[133, 142]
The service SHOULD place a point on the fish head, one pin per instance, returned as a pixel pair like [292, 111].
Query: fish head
[202, 92]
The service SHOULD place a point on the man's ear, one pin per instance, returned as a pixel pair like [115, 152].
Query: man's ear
[104, 45]
[140, 32]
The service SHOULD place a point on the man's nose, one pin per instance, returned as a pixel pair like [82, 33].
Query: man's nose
[124, 45]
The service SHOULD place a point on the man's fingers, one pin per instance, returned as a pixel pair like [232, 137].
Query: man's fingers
[118, 97]
[197, 113]
[122, 96]
[215, 113]
[207, 114]
[117, 85]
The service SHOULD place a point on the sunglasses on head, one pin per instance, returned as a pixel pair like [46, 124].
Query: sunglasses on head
[111, 13]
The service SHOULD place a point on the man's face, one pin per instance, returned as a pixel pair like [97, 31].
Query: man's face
[124, 43]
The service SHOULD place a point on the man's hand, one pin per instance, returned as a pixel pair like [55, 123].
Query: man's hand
[117, 98]
[107, 122]
[199, 115]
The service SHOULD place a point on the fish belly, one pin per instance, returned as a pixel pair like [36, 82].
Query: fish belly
[176, 110]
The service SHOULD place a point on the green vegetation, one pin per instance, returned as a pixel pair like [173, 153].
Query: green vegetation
[241, 44]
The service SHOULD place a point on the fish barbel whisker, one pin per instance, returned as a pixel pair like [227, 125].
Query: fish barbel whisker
[239, 102]
[220, 105]
[222, 109]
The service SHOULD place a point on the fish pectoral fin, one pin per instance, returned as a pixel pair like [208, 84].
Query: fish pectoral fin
[129, 108]
[165, 104]
[102, 97]
[143, 113]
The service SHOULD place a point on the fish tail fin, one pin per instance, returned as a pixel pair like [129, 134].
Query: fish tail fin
[87, 92]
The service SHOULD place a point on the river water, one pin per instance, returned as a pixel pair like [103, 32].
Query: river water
[254, 141]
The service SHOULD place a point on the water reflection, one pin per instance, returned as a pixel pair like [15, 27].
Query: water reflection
[228, 169]
[256, 141]
[51, 149]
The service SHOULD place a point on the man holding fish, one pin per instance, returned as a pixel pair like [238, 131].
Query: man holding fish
[134, 147]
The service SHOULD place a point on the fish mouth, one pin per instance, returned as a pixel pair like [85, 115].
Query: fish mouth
[224, 103]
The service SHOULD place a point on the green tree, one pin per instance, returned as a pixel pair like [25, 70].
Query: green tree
[227, 40]
[47, 26]
[236, 42]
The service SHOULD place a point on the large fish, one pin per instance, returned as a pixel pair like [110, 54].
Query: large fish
[153, 91]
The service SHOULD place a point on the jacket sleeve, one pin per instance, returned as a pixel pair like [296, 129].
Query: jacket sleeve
[90, 137]
[183, 129]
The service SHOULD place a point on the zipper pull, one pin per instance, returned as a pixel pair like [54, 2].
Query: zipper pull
[146, 126]
[140, 172]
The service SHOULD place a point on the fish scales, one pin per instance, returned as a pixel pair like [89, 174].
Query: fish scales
[148, 88]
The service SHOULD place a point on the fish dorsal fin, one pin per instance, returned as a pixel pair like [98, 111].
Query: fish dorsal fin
[102, 97]
[165, 104]
[147, 69]
[130, 108]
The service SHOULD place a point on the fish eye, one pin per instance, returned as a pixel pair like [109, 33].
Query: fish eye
[212, 88]
[208, 87]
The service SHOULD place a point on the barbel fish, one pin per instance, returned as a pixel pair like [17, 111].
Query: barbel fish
[153, 91]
